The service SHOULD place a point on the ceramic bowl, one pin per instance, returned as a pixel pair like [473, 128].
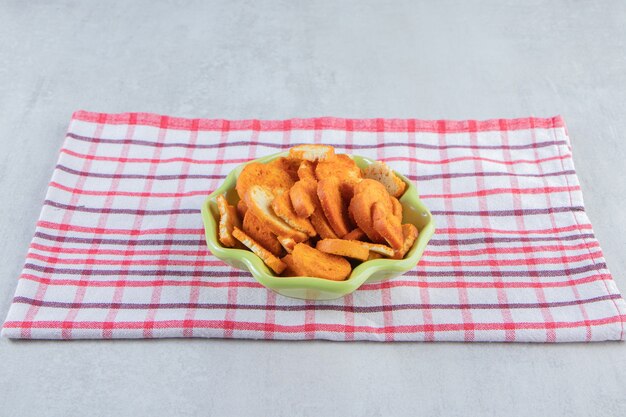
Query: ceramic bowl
[312, 288]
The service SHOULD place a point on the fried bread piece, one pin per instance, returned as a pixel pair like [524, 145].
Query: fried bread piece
[381, 172]
[341, 247]
[312, 152]
[266, 175]
[319, 222]
[291, 269]
[356, 234]
[306, 171]
[333, 205]
[270, 260]
[373, 187]
[377, 248]
[287, 243]
[288, 165]
[388, 225]
[396, 207]
[303, 196]
[374, 255]
[342, 167]
[368, 192]
[315, 263]
[259, 232]
[259, 201]
[241, 208]
[410, 233]
[228, 221]
[284, 209]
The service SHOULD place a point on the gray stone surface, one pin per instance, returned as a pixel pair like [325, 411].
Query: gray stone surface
[447, 59]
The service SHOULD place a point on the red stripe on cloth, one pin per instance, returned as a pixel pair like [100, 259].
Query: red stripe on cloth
[561, 251]
[521, 225]
[324, 123]
[424, 294]
[322, 327]
[242, 160]
[385, 290]
[512, 191]
[194, 291]
[399, 283]
[120, 252]
[163, 261]
[130, 193]
[462, 293]
[508, 250]
[472, 158]
[456, 231]
[171, 222]
[114, 231]
[206, 192]
[107, 333]
[152, 160]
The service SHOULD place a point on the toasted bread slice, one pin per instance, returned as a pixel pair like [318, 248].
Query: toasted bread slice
[303, 196]
[333, 205]
[241, 208]
[287, 243]
[356, 234]
[360, 210]
[312, 152]
[410, 233]
[374, 255]
[368, 192]
[372, 187]
[284, 209]
[259, 201]
[261, 233]
[388, 225]
[345, 170]
[319, 222]
[347, 190]
[289, 165]
[306, 171]
[341, 247]
[383, 250]
[291, 269]
[270, 260]
[270, 176]
[396, 207]
[315, 263]
[342, 167]
[228, 221]
[380, 172]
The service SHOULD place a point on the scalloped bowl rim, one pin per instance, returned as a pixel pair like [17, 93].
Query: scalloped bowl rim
[358, 276]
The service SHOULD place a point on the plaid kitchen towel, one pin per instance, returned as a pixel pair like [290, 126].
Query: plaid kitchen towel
[119, 251]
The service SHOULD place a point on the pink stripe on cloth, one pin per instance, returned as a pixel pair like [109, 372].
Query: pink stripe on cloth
[118, 251]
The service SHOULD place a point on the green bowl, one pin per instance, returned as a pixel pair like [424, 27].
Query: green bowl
[311, 288]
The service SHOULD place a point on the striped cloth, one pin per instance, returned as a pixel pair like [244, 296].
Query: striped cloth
[118, 251]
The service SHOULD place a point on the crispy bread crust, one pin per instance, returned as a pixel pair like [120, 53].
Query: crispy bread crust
[303, 196]
[312, 152]
[260, 232]
[333, 206]
[410, 233]
[315, 263]
[267, 175]
[387, 225]
[270, 260]
[341, 247]
[284, 209]
[228, 221]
